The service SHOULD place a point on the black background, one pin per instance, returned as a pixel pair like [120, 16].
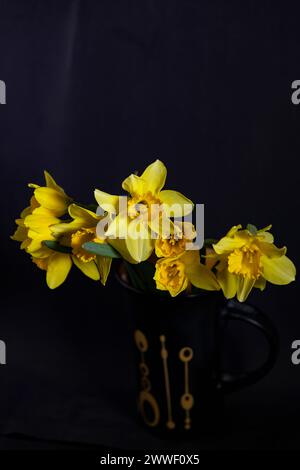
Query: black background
[96, 90]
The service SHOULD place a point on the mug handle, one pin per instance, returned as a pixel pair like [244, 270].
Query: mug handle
[235, 310]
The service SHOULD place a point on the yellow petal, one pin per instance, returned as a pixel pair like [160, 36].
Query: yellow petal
[59, 266]
[90, 218]
[265, 236]
[155, 177]
[119, 244]
[227, 244]
[35, 244]
[25, 244]
[138, 241]
[83, 218]
[41, 252]
[134, 185]
[26, 212]
[278, 271]
[40, 220]
[233, 230]
[20, 234]
[104, 264]
[50, 183]
[60, 229]
[199, 275]
[228, 282]
[89, 269]
[175, 203]
[260, 283]
[107, 202]
[52, 200]
[271, 250]
[265, 229]
[244, 287]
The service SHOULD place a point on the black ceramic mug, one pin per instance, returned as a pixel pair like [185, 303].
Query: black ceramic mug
[179, 347]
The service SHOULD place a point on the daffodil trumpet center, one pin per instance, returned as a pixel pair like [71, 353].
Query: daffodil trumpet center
[173, 273]
[246, 262]
[80, 237]
[142, 205]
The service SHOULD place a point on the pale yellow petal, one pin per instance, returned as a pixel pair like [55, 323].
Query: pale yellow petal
[260, 283]
[271, 250]
[227, 244]
[278, 271]
[59, 266]
[134, 185]
[119, 244]
[108, 202]
[89, 217]
[138, 242]
[104, 265]
[244, 287]
[175, 204]
[198, 274]
[228, 282]
[233, 230]
[155, 176]
[60, 229]
[265, 236]
[89, 269]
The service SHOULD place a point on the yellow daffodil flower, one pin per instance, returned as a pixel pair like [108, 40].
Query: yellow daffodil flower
[47, 203]
[178, 274]
[148, 209]
[80, 230]
[175, 245]
[247, 259]
[40, 222]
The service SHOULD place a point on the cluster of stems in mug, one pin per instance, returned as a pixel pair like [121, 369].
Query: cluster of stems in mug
[142, 221]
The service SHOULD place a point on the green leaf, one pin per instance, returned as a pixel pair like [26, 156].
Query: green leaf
[252, 229]
[101, 249]
[55, 246]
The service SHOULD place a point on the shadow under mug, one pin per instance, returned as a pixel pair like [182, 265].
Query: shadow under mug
[178, 346]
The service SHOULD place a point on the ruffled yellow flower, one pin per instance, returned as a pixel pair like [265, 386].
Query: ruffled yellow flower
[148, 209]
[175, 245]
[178, 274]
[247, 259]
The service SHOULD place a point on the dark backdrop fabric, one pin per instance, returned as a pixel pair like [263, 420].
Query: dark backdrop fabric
[95, 91]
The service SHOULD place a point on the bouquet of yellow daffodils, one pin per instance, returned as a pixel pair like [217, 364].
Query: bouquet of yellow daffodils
[147, 229]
